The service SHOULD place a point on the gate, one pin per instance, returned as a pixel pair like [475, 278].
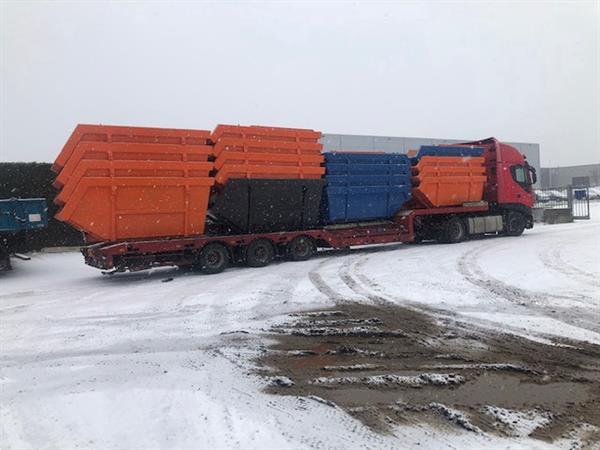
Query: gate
[580, 198]
[576, 200]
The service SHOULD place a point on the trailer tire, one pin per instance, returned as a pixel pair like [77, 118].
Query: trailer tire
[4, 261]
[301, 248]
[260, 253]
[213, 258]
[515, 224]
[454, 231]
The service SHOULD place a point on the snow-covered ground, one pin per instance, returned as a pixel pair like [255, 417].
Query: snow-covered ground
[162, 359]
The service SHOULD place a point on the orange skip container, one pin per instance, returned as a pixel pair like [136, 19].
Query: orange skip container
[267, 172]
[450, 191]
[110, 209]
[123, 134]
[104, 151]
[449, 181]
[234, 145]
[266, 152]
[155, 170]
[134, 182]
[255, 132]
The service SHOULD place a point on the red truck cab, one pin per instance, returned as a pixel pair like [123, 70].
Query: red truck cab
[508, 189]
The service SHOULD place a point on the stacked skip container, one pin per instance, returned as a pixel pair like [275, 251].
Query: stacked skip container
[267, 178]
[119, 183]
[131, 182]
[365, 186]
[448, 175]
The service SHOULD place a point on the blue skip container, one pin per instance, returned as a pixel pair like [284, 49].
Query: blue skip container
[366, 169]
[366, 158]
[363, 186]
[22, 214]
[367, 180]
[349, 204]
[440, 150]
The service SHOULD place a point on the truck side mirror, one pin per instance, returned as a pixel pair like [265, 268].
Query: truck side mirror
[532, 174]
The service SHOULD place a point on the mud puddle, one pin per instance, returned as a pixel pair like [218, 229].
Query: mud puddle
[388, 365]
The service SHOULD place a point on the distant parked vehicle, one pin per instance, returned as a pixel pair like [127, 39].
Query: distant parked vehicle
[18, 217]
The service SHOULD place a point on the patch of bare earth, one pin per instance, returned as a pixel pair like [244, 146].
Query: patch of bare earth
[388, 365]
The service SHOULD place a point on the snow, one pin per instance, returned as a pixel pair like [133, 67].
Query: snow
[520, 423]
[545, 284]
[130, 361]
[454, 416]
[541, 325]
[351, 368]
[437, 379]
[281, 381]
[491, 366]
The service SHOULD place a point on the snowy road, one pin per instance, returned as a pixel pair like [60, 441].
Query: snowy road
[161, 359]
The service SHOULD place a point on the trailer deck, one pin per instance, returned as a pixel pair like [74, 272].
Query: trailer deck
[135, 255]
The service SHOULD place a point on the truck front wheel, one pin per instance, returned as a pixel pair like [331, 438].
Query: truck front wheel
[213, 258]
[515, 224]
[454, 231]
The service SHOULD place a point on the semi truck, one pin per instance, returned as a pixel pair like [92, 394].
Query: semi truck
[502, 208]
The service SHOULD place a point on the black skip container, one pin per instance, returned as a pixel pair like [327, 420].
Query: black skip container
[265, 205]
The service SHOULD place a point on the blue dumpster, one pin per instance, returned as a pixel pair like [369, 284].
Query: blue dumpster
[22, 215]
[441, 150]
[365, 186]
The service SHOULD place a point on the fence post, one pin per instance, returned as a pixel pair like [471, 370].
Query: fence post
[587, 200]
[570, 198]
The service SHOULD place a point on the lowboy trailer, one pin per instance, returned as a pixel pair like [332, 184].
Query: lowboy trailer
[501, 183]
[212, 254]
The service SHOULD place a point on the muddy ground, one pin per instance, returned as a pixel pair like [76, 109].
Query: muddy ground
[388, 365]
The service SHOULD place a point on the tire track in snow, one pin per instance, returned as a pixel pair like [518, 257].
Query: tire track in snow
[345, 275]
[537, 301]
[319, 283]
[532, 303]
[469, 268]
[572, 316]
[552, 259]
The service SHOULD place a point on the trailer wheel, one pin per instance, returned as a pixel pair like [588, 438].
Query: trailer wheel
[260, 253]
[301, 248]
[213, 258]
[4, 260]
[515, 224]
[454, 231]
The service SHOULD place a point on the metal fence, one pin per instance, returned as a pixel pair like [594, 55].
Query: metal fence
[576, 200]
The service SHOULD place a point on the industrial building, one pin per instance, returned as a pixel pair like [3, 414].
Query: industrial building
[583, 175]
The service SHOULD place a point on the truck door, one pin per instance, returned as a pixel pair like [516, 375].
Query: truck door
[518, 189]
[520, 175]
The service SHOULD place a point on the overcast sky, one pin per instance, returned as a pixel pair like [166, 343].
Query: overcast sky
[523, 72]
